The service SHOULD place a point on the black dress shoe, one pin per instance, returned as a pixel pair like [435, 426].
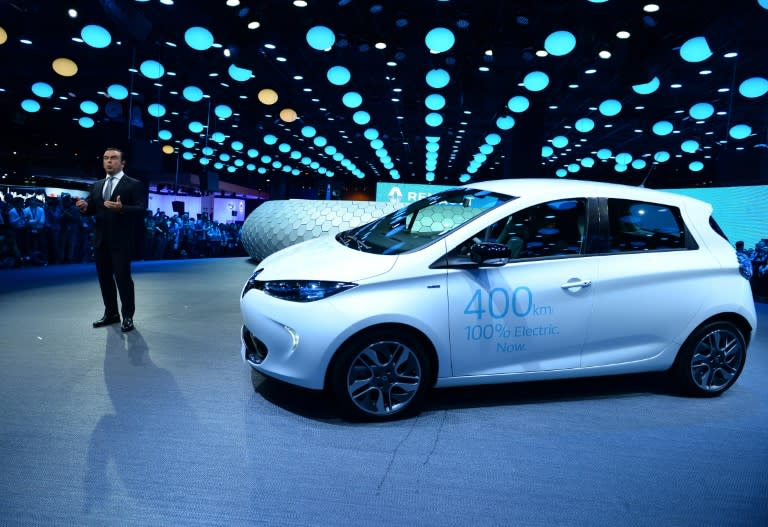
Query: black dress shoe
[106, 320]
[127, 325]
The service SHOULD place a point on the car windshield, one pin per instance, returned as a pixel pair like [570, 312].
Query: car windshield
[422, 222]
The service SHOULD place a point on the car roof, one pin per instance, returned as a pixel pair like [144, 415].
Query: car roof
[557, 188]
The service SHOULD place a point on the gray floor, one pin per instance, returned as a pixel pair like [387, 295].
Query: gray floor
[162, 426]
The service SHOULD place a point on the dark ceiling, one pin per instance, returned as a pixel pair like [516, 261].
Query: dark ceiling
[502, 36]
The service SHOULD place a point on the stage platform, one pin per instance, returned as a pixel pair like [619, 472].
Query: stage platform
[162, 426]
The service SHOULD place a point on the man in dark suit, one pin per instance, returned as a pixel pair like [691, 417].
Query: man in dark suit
[118, 203]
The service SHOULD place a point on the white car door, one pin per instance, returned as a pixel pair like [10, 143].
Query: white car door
[532, 313]
[648, 288]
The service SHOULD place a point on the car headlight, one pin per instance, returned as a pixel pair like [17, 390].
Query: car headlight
[297, 290]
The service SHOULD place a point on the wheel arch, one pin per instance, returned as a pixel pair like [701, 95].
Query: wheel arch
[396, 329]
[734, 318]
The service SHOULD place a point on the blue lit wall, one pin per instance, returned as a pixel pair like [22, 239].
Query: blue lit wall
[742, 212]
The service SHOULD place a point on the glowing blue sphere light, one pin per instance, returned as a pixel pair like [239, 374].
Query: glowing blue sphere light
[198, 38]
[740, 131]
[352, 99]
[702, 110]
[117, 91]
[648, 87]
[96, 36]
[585, 125]
[438, 78]
[663, 128]
[361, 117]
[604, 153]
[434, 102]
[518, 104]
[439, 40]
[695, 50]
[222, 111]
[690, 146]
[560, 43]
[338, 75]
[610, 107]
[85, 122]
[505, 122]
[434, 119]
[239, 74]
[754, 87]
[321, 38]
[536, 81]
[89, 107]
[42, 89]
[156, 110]
[152, 69]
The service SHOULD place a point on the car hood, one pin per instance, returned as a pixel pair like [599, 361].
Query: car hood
[324, 259]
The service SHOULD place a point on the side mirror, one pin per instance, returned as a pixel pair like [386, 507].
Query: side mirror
[490, 254]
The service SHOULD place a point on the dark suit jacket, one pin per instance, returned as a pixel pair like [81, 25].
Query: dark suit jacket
[117, 229]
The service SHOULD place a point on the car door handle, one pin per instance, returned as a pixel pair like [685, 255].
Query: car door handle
[576, 283]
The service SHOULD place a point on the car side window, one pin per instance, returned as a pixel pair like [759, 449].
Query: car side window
[555, 228]
[638, 226]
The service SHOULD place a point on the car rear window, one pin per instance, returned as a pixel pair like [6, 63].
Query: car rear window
[641, 226]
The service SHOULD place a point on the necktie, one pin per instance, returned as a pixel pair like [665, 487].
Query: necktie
[108, 188]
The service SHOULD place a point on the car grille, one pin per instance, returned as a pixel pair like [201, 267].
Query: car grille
[255, 350]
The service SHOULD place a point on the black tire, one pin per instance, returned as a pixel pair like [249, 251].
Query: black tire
[711, 359]
[381, 375]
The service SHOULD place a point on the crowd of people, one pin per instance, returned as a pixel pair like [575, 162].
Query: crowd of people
[754, 265]
[169, 237]
[42, 230]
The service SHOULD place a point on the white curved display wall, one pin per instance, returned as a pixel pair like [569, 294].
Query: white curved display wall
[280, 223]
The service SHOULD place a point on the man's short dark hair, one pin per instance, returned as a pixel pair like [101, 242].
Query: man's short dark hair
[739, 245]
[122, 154]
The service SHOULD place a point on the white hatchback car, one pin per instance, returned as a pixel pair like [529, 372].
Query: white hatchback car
[503, 281]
